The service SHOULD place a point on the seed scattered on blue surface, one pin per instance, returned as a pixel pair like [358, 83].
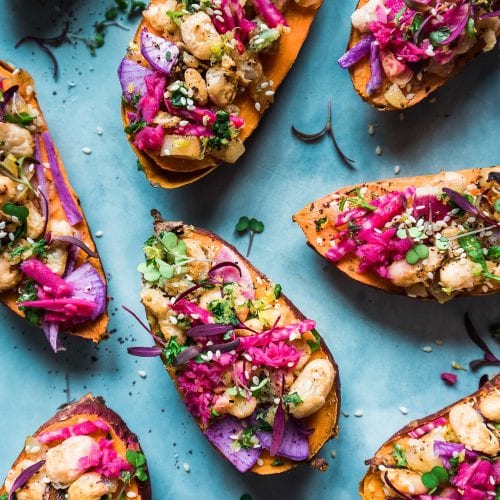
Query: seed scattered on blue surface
[87, 150]
[403, 410]
[358, 413]
[186, 467]
[427, 348]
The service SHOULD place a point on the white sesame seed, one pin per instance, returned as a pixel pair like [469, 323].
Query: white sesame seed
[260, 462]
[269, 92]
[371, 129]
[86, 150]
[333, 454]
[11, 236]
[290, 364]
[403, 410]
[219, 18]
[98, 234]
[247, 357]
[195, 316]
[378, 150]
[99, 131]
[257, 106]
[142, 373]
[255, 379]
[410, 96]
[183, 123]
[190, 107]
[358, 413]
[276, 401]
[20, 187]
[264, 85]
[186, 467]
[397, 169]
[427, 348]
[131, 494]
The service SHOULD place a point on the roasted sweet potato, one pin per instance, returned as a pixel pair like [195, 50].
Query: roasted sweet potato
[252, 370]
[428, 45]
[453, 453]
[85, 451]
[43, 228]
[213, 53]
[430, 236]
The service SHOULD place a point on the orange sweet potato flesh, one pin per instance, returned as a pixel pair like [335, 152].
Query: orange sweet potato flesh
[371, 486]
[325, 421]
[92, 408]
[175, 172]
[306, 218]
[96, 330]
[360, 75]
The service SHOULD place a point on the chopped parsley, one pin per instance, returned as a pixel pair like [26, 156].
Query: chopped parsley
[134, 127]
[222, 130]
[399, 455]
[223, 312]
[292, 399]
[23, 119]
[178, 95]
[360, 202]
[277, 291]
[172, 350]
[319, 223]
[314, 345]
[438, 36]
[29, 292]
[37, 248]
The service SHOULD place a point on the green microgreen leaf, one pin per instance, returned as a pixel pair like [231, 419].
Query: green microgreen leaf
[438, 36]
[277, 291]
[292, 398]
[316, 344]
[243, 224]
[319, 223]
[399, 455]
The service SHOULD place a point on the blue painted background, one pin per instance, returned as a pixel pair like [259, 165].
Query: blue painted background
[376, 338]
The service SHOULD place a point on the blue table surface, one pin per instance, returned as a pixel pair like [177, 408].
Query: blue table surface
[376, 338]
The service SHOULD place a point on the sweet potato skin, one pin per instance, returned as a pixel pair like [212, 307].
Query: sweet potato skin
[370, 487]
[97, 330]
[92, 408]
[306, 217]
[360, 74]
[325, 421]
[174, 172]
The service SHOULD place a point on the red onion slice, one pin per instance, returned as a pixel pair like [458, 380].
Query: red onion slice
[145, 352]
[160, 53]
[79, 243]
[24, 477]
[278, 430]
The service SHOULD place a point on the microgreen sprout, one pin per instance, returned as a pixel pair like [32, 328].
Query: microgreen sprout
[399, 455]
[326, 130]
[250, 225]
[138, 461]
[416, 253]
[433, 479]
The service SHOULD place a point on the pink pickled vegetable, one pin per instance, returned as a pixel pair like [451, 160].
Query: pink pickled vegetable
[67, 306]
[424, 429]
[150, 138]
[150, 102]
[449, 378]
[105, 460]
[269, 13]
[191, 129]
[197, 115]
[278, 430]
[46, 278]
[245, 26]
[193, 310]
[80, 429]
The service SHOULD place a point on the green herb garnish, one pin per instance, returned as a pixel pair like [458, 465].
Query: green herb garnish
[474, 250]
[37, 248]
[134, 127]
[223, 132]
[319, 223]
[23, 119]
[433, 479]
[416, 253]
[29, 293]
[399, 455]
[223, 312]
[360, 202]
[292, 399]
[138, 461]
[439, 36]
[314, 345]
[253, 226]
[277, 291]
[172, 350]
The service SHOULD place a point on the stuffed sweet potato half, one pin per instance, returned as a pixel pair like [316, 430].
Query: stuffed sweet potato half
[400, 51]
[50, 272]
[435, 236]
[453, 454]
[86, 451]
[252, 370]
[198, 76]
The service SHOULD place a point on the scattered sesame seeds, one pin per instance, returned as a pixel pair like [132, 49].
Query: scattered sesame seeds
[131, 494]
[397, 169]
[333, 454]
[98, 234]
[99, 130]
[276, 401]
[186, 467]
[71, 84]
[427, 348]
[371, 129]
[87, 150]
[257, 106]
[378, 150]
[260, 462]
[410, 96]
[269, 92]
[358, 413]
[403, 410]
[142, 373]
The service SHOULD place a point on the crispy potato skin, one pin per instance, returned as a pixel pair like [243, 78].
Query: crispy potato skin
[370, 487]
[305, 219]
[360, 74]
[325, 421]
[173, 172]
[92, 408]
[97, 330]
